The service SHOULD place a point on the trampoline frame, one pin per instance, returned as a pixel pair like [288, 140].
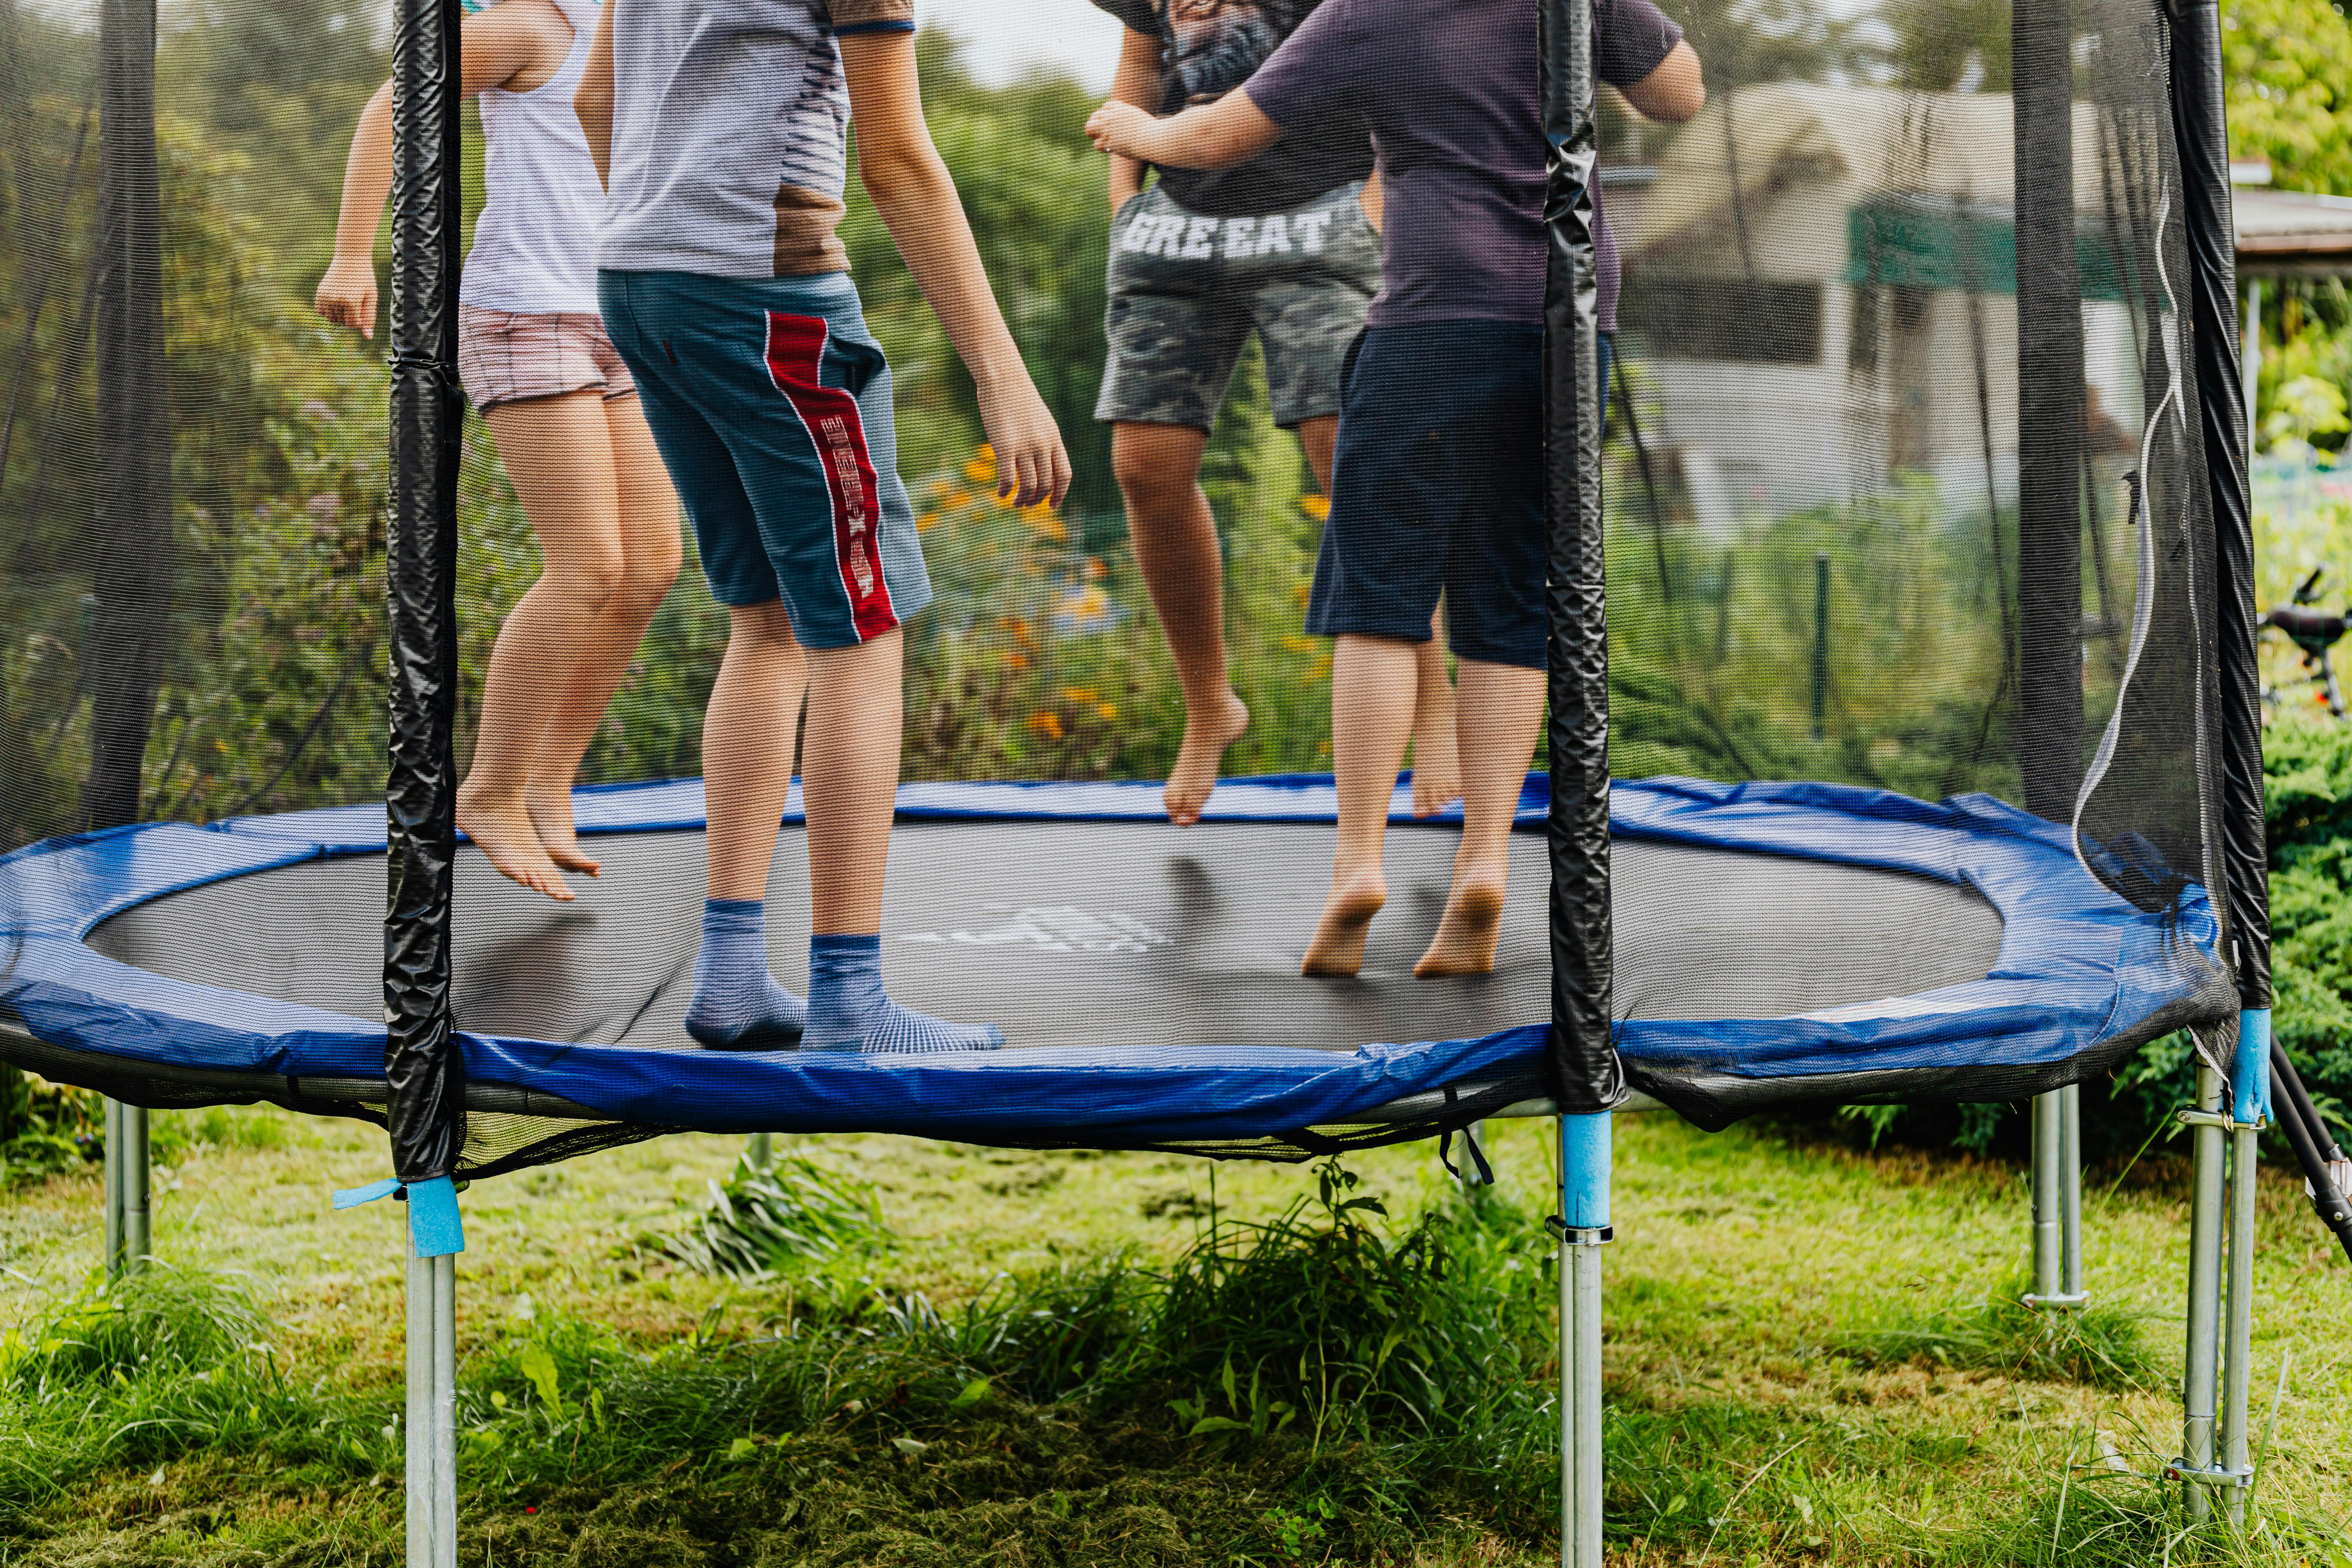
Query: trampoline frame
[422, 1099]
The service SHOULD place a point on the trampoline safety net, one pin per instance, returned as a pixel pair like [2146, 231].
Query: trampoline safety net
[1218, 382]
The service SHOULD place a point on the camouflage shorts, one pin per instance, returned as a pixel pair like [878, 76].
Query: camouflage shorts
[1186, 291]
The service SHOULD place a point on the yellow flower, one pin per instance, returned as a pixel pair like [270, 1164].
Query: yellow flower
[979, 473]
[1046, 724]
[1016, 661]
[1077, 694]
[959, 499]
[928, 522]
[1109, 711]
[1317, 507]
[1297, 644]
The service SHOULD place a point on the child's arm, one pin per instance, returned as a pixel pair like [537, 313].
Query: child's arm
[902, 172]
[495, 48]
[1674, 91]
[1138, 82]
[1220, 135]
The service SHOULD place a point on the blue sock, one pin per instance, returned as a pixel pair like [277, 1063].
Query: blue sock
[738, 1005]
[849, 1012]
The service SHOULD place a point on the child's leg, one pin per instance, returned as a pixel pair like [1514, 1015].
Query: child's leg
[648, 533]
[1372, 719]
[1436, 768]
[748, 733]
[558, 455]
[850, 787]
[1175, 538]
[1500, 709]
[1436, 755]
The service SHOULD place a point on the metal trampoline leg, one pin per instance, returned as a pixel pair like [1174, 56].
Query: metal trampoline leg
[113, 1153]
[430, 1442]
[129, 1238]
[137, 1236]
[2049, 1227]
[445, 1412]
[2070, 1191]
[416, 1441]
[2057, 1200]
[760, 1151]
[2237, 1347]
[1584, 1229]
[2200, 1386]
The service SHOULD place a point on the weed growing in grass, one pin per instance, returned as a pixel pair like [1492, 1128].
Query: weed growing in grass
[767, 1219]
[2099, 1345]
[141, 1371]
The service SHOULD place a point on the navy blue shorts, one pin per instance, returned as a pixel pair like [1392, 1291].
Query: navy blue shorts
[770, 403]
[1439, 489]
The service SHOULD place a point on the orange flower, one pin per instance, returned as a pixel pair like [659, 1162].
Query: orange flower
[1016, 661]
[1317, 507]
[1049, 725]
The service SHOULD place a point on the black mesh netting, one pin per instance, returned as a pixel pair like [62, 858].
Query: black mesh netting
[1903, 496]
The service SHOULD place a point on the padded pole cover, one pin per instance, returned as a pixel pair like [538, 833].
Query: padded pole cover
[1584, 1060]
[2050, 413]
[426, 1116]
[2200, 128]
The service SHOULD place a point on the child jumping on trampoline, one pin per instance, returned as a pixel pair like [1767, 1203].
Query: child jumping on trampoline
[719, 128]
[535, 359]
[1439, 482]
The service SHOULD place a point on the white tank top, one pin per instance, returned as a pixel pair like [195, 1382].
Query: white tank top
[535, 242]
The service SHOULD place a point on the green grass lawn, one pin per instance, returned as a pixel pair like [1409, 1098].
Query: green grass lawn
[1807, 1363]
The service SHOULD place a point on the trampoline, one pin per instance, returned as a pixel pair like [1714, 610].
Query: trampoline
[1903, 741]
[1855, 944]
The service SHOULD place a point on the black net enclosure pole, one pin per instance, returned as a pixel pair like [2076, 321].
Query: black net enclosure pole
[2200, 128]
[133, 585]
[426, 1113]
[1590, 1078]
[2049, 413]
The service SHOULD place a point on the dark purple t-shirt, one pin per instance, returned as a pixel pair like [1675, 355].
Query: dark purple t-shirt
[1450, 88]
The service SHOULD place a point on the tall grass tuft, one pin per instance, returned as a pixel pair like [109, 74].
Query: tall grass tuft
[2099, 1345]
[766, 1219]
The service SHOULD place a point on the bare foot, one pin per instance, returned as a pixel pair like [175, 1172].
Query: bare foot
[1436, 764]
[1473, 923]
[550, 818]
[1337, 947]
[1194, 777]
[503, 831]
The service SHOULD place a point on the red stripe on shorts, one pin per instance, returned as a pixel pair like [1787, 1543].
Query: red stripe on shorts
[829, 414]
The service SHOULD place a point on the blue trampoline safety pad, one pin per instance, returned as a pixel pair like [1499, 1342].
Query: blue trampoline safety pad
[2078, 967]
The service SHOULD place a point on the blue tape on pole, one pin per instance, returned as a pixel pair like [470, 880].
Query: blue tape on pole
[1584, 1153]
[434, 1227]
[352, 1197]
[2250, 1076]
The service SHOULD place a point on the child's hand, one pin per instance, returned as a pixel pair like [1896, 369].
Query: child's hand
[347, 295]
[1032, 465]
[1120, 128]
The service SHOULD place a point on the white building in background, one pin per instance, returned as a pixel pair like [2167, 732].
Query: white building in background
[1819, 279]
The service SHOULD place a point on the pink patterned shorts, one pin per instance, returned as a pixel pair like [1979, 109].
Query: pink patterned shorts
[505, 356]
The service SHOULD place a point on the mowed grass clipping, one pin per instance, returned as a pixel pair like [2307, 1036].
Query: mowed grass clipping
[886, 1352]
